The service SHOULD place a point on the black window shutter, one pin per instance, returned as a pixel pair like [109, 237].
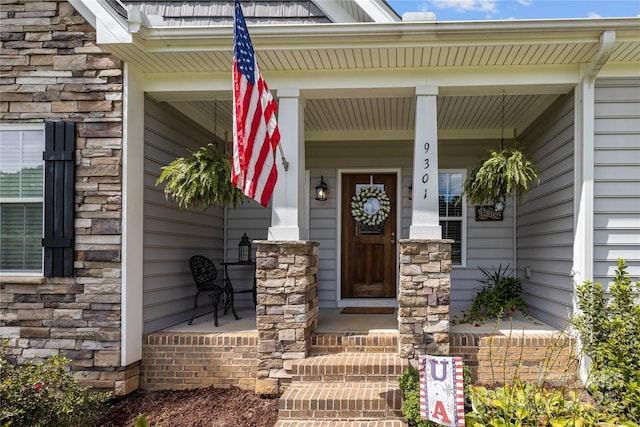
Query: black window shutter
[58, 198]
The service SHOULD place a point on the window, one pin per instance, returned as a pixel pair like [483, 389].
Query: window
[452, 208]
[21, 198]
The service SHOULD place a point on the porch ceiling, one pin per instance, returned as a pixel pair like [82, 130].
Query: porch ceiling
[460, 117]
[545, 56]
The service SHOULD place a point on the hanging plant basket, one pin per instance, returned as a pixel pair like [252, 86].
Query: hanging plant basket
[202, 179]
[499, 174]
[371, 206]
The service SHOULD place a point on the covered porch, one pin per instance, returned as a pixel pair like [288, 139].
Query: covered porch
[410, 101]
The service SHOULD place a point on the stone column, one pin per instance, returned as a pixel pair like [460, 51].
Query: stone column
[287, 308]
[423, 300]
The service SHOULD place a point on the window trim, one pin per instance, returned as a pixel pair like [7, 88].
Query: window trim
[463, 218]
[15, 200]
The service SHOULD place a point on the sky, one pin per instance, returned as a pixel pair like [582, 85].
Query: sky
[478, 10]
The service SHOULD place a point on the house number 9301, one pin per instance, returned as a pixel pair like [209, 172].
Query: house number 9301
[425, 176]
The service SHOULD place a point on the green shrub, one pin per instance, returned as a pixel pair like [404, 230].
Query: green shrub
[142, 421]
[410, 387]
[609, 328]
[45, 394]
[527, 404]
[501, 294]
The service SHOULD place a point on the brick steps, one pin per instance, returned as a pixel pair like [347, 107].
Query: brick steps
[343, 367]
[337, 423]
[339, 401]
[354, 342]
[344, 390]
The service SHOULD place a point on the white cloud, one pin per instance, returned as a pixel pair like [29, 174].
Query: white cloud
[593, 15]
[525, 2]
[466, 5]
[424, 7]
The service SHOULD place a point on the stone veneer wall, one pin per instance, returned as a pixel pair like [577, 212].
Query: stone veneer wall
[287, 309]
[423, 300]
[53, 70]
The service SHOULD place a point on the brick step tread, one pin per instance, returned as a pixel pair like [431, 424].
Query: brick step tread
[349, 367]
[340, 423]
[342, 401]
[338, 342]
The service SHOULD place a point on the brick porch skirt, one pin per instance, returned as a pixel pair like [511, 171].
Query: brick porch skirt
[547, 357]
[173, 360]
[178, 360]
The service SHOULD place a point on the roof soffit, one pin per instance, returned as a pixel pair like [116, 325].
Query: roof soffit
[372, 35]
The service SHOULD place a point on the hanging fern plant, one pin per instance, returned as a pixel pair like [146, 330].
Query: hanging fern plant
[202, 179]
[498, 174]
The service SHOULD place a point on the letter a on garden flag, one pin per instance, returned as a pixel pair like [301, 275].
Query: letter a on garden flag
[441, 390]
[255, 130]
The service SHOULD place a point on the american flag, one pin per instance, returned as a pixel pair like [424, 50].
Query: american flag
[255, 130]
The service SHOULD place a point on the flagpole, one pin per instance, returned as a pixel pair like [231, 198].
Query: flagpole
[285, 163]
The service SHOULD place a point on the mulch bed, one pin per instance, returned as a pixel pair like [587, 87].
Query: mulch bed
[211, 407]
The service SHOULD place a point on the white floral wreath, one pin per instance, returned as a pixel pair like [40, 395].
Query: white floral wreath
[358, 202]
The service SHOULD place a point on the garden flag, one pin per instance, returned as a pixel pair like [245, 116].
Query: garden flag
[442, 390]
[255, 130]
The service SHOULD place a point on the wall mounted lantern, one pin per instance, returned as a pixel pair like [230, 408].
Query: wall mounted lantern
[321, 190]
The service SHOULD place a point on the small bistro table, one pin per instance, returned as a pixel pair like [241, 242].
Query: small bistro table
[251, 264]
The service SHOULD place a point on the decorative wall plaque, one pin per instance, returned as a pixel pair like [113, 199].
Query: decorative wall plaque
[488, 213]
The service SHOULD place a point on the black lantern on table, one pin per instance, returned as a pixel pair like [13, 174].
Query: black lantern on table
[244, 249]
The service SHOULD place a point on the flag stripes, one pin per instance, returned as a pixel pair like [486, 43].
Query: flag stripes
[255, 132]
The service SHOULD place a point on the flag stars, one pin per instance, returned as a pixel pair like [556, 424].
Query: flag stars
[256, 134]
[243, 50]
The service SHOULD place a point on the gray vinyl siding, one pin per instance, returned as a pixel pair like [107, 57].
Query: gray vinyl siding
[490, 244]
[323, 225]
[254, 220]
[616, 225]
[545, 222]
[171, 235]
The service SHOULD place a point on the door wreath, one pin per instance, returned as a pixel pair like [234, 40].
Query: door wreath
[370, 206]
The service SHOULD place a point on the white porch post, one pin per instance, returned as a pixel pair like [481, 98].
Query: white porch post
[132, 218]
[288, 220]
[425, 223]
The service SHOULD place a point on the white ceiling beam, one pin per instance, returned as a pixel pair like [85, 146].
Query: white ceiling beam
[405, 135]
[620, 70]
[374, 83]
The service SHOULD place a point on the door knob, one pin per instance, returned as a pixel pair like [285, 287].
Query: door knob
[393, 241]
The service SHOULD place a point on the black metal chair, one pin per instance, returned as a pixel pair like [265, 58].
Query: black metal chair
[205, 274]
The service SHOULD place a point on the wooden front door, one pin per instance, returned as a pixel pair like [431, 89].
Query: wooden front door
[368, 251]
